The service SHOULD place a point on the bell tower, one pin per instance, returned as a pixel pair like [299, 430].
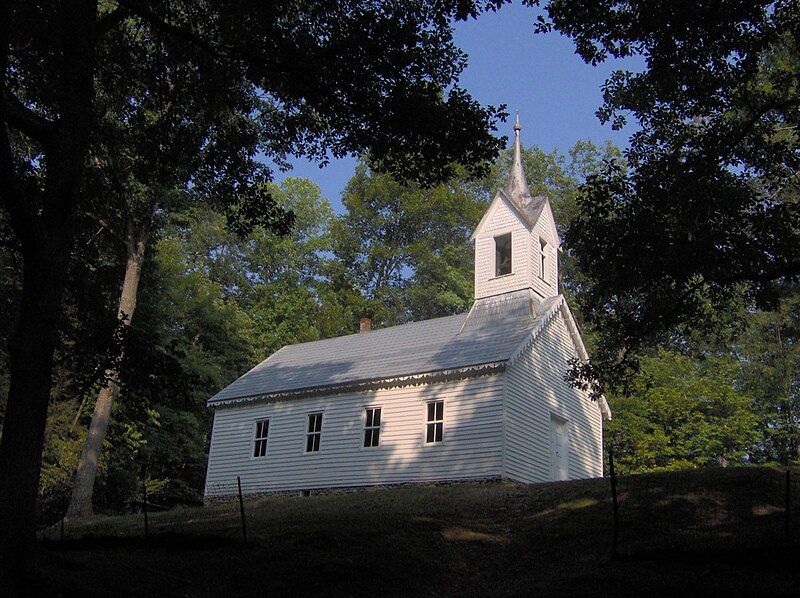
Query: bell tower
[516, 242]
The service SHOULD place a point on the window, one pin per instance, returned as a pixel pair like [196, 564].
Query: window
[314, 432]
[434, 427]
[260, 438]
[502, 255]
[372, 427]
[542, 259]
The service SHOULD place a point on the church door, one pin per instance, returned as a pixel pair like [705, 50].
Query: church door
[559, 448]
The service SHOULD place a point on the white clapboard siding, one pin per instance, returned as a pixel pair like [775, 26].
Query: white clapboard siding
[471, 449]
[525, 265]
[544, 229]
[502, 220]
[535, 390]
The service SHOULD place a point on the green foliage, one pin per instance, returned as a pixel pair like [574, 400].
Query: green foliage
[770, 354]
[705, 208]
[404, 248]
[62, 447]
[683, 412]
[212, 304]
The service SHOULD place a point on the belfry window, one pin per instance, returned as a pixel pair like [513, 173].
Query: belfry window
[502, 255]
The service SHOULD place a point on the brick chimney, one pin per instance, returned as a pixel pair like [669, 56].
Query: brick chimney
[364, 325]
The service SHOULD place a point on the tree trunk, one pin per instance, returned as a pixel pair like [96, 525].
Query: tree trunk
[43, 221]
[81, 502]
[31, 349]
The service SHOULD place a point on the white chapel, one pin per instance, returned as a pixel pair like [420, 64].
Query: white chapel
[478, 395]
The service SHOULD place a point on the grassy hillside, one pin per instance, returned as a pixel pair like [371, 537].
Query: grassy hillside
[463, 539]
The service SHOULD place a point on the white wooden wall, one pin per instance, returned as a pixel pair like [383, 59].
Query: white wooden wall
[536, 390]
[471, 449]
[501, 220]
[544, 229]
[525, 263]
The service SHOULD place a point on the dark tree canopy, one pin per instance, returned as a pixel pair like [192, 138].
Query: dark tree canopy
[98, 93]
[705, 208]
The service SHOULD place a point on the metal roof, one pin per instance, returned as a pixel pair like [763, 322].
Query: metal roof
[488, 333]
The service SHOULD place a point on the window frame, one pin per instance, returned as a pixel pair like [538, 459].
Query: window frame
[365, 427]
[256, 439]
[308, 434]
[440, 422]
[543, 245]
[510, 235]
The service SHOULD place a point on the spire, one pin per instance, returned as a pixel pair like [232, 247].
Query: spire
[517, 187]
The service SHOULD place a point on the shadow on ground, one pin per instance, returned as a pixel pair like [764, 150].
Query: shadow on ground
[477, 539]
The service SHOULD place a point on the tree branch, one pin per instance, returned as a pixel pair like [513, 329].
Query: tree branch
[141, 10]
[757, 115]
[22, 217]
[23, 119]
[764, 275]
[109, 20]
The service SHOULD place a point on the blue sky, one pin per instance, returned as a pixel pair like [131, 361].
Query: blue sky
[556, 93]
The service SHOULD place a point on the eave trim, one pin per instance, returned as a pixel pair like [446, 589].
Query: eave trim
[472, 371]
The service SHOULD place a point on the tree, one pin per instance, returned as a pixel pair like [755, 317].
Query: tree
[187, 340]
[276, 279]
[705, 208]
[214, 303]
[55, 58]
[404, 249]
[770, 352]
[682, 412]
[149, 161]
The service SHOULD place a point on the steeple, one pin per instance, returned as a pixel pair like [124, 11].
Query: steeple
[517, 186]
[516, 242]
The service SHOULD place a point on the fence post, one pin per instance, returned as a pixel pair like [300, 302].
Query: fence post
[144, 506]
[61, 523]
[788, 508]
[241, 508]
[614, 502]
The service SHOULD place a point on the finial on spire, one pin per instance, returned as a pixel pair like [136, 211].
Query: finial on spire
[517, 186]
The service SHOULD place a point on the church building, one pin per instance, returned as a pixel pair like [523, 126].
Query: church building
[478, 395]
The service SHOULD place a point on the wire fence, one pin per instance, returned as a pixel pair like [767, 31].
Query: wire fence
[224, 518]
[664, 513]
[651, 514]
